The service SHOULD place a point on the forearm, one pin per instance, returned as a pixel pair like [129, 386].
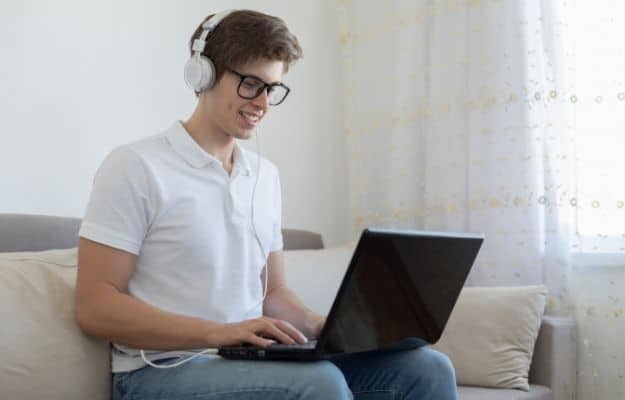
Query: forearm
[282, 303]
[123, 319]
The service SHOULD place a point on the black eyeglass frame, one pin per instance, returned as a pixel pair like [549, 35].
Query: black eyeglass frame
[261, 89]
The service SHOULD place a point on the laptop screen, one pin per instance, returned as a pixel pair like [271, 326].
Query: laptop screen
[399, 285]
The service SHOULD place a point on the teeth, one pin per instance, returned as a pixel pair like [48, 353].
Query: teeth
[250, 117]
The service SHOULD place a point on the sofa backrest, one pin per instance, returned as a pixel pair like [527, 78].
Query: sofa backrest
[27, 232]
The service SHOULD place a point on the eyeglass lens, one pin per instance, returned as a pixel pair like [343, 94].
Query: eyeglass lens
[251, 87]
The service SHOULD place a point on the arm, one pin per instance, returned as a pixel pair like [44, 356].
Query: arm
[105, 309]
[282, 303]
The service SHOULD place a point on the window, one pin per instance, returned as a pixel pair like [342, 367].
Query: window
[599, 120]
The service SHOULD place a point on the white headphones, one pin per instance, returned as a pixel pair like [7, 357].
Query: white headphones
[199, 71]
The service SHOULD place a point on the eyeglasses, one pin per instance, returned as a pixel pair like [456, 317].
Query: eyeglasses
[250, 87]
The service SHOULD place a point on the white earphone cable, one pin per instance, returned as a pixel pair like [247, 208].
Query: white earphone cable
[260, 245]
[179, 363]
[213, 351]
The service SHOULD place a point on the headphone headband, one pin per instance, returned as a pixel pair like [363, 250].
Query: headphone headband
[212, 22]
[207, 27]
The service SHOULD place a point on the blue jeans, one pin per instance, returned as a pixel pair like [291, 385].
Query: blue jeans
[408, 374]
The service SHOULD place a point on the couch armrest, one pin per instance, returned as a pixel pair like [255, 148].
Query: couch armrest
[555, 357]
[297, 239]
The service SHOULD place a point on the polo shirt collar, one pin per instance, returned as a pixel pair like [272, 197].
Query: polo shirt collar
[241, 161]
[183, 144]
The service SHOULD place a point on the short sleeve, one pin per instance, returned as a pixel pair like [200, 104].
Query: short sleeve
[118, 212]
[277, 242]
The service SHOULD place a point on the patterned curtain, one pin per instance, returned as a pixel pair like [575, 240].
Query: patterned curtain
[462, 116]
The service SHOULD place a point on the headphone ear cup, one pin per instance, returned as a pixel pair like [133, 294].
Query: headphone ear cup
[199, 73]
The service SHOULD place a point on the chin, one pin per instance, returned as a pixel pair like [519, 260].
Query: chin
[244, 134]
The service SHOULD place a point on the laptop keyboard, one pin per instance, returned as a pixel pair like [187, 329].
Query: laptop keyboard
[282, 346]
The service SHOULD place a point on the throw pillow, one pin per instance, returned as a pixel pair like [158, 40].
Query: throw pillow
[491, 333]
[44, 354]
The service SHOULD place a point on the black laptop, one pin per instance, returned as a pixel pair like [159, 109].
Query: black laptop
[398, 292]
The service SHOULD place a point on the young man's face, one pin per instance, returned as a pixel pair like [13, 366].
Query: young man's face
[233, 115]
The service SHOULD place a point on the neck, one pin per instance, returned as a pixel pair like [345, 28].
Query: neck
[210, 137]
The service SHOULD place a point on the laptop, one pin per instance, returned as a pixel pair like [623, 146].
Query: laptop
[398, 292]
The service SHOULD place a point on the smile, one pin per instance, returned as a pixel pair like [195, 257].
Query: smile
[250, 117]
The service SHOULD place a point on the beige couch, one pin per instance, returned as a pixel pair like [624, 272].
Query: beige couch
[28, 370]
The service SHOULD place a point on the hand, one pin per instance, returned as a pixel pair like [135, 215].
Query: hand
[258, 331]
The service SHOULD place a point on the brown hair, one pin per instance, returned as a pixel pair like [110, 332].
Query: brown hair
[245, 36]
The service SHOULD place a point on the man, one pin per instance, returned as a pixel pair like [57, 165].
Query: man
[181, 248]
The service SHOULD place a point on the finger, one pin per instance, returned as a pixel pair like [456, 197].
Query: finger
[292, 331]
[254, 339]
[273, 330]
[289, 329]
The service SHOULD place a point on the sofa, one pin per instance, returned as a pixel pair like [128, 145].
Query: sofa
[552, 373]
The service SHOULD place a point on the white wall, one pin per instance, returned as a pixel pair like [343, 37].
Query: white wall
[79, 78]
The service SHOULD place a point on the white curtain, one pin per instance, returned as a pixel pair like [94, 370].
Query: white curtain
[457, 118]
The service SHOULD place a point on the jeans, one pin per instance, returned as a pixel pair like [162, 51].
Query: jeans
[408, 374]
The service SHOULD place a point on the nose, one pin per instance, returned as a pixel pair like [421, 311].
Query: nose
[262, 101]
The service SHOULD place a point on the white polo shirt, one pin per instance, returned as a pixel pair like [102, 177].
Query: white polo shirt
[171, 203]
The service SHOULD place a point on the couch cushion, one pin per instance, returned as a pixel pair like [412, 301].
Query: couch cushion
[491, 333]
[44, 354]
[536, 392]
